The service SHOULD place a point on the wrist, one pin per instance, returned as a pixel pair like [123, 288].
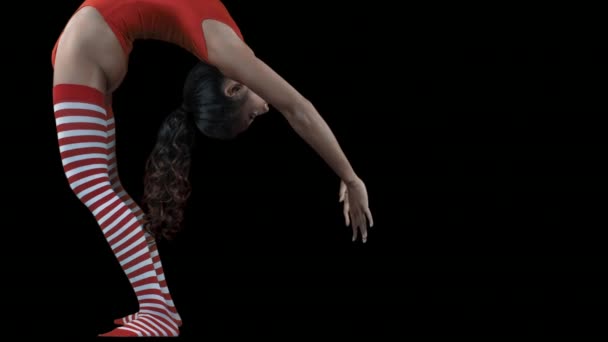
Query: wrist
[350, 179]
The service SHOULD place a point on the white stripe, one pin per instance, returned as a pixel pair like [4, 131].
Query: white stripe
[110, 121]
[154, 254]
[111, 132]
[135, 210]
[129, 318]
[90, 189]
[158, 314]
[173, 329]
[134, 268]
[162, 309]
[139, 324]
[80, 119]
[112, 155]
[151, 296]
[128, 203]
[105, 205]
[111, 143]
[69, 147]
[87, 179]
[81, 132]
[123, 228]
[133, 257]
[131, 246]
[73, 159]
[161, 277]
[98, 197]
[159, 329]
[151, 286]
[109, 214]
[117, 220]
[121, 194]
[157, 265]
[86, 168]
[144, 275]
[78, 105]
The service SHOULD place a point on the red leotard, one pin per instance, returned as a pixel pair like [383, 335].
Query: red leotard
[174, 21]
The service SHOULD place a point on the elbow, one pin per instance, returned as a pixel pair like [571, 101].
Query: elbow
[299, 112]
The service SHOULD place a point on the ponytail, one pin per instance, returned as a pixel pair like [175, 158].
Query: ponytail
[166, 184]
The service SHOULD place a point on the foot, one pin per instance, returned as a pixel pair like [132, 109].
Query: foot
[128, 318]
[146, 325]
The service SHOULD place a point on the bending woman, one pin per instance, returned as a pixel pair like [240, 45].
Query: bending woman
[222, 95]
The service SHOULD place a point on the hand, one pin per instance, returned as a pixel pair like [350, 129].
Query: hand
[356, 209]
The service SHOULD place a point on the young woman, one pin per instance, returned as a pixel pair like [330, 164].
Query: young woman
[222, 95]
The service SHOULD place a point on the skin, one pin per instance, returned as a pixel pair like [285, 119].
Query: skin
[89, 54]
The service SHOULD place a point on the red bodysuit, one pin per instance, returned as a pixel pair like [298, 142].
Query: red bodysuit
[173, 21]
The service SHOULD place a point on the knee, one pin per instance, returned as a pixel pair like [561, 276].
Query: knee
[91, 189]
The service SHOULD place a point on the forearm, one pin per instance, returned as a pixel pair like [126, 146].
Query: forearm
[311, 127]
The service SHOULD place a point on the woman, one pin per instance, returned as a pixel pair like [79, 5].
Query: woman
[222, 95]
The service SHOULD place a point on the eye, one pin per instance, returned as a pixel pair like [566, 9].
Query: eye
[235, 89]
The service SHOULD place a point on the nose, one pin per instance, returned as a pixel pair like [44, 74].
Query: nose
[261, 110]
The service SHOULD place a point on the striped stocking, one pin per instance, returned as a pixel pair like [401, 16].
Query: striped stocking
[83, 136]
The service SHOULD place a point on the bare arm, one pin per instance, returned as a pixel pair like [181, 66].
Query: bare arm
[311, 127]
[238, 62]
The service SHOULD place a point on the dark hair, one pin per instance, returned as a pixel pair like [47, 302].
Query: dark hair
[166, 184]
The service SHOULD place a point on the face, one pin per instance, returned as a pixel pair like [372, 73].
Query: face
[253, 105]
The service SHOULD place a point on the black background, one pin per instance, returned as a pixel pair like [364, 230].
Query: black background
[477, 130]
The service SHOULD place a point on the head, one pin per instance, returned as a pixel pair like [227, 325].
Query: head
[220, 108]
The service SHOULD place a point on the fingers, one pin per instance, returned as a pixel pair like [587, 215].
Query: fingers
[346, 212]
[363, 227]
[355, 230]
[342, 192]
[370, 219]
[360, 220]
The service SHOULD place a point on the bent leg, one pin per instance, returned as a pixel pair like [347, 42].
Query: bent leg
[138, 212]
[83, 142]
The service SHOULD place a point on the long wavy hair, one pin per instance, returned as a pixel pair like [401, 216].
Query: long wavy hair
[166, 180]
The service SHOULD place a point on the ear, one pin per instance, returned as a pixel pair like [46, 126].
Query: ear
[232, 88]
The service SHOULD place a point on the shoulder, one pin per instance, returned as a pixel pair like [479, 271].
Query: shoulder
[224, 44]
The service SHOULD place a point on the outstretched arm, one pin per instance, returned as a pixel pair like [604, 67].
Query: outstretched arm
[301, 115]
[238, 62]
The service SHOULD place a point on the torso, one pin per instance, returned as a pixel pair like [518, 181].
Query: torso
[88, 42]
[95, 44]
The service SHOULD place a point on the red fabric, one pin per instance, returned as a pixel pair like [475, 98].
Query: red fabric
[176, 21]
